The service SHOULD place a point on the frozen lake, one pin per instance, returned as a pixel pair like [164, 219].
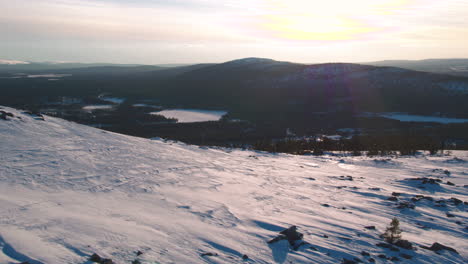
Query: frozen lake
[192, 115]
[418, 118]
[97, 107]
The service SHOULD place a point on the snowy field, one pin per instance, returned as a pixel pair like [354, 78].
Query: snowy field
[68, 191]
[192, 115]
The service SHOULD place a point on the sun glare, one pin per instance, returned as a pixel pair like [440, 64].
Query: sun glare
[330, 20]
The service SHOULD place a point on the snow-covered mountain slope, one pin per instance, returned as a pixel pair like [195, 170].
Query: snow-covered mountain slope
[68, 191]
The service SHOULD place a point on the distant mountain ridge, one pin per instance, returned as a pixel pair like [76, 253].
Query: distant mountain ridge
[259, 86]
[445, 66]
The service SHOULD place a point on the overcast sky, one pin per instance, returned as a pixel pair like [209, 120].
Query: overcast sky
[190, 31]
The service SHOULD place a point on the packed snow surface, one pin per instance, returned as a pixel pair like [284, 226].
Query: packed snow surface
[192, 115]
[68, 191]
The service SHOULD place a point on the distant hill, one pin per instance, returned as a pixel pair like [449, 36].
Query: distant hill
[257, 88]
[446, 66]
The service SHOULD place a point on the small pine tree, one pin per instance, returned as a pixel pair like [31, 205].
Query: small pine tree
[393, 233]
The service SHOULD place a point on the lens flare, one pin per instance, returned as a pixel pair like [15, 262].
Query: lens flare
[330, 20]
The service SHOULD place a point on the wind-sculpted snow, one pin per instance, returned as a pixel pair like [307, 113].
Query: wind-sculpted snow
[68, 191]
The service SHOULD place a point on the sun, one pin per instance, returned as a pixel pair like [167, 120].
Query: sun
[327, 20]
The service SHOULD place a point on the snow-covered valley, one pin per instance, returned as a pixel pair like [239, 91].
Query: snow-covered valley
[68, 191]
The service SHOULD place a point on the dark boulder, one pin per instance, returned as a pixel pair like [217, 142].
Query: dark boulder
[456, 201]
[4, 115]
[404, 244]
[95, 258]
[393, 198]
[209, 254]
[383, 245]
[405, 204]
[347, 261]
[370, 227]
[277, 238]
[292, 235]
[437, 247]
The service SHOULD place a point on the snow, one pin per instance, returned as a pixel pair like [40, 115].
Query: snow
[418, 118]
[115, 100]
[97, 107]
[12, 62]
[68, 190]
[51, 75]
[192, 115]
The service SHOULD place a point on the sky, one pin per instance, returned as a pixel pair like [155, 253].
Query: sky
[193, 31]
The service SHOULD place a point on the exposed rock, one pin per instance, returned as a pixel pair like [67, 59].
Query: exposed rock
[450, 183]
[294, 238]
[456, 201]
[405, 204]
[396, 194]
[393, 248]
[245, 257]
[406, 256]
[347, 261]
[299, 245]
[136, 261]
[431, 181]
[313, 248]
[437, 246]
[371, 260]
[106, 261]
[382, 256]
[426, 180]
[370, 227]
[325, 205]
[417, 198]
[346, 178]
[365, 254]
[277, 238]
[138, 253]
[450, 215]
[392, 198]
[292, 235]
[209, 254]
[4, 115]
[95, 258]
[383, 245]
[325, 236]
[404, 244]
